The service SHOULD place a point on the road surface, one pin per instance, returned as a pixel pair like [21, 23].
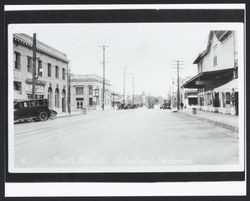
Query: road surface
[116, 139]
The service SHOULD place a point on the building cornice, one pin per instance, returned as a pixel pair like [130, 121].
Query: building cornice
[19, 39]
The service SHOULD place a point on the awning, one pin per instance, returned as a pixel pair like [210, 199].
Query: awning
[211, 79]
[228, 86]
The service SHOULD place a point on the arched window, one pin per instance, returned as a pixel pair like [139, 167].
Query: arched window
[63, 100]
[57, 98]
[50, 96]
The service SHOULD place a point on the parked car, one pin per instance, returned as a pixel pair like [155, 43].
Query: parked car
[37, 110]
[128, 106]
[165, 106]
[150, 105]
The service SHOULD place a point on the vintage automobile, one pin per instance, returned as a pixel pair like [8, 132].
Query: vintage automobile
[37, 110]
[150, 105]
[165, 106]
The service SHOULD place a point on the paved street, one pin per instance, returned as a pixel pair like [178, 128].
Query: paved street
[139, 137]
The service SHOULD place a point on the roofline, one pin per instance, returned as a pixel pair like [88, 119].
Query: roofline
[19, 39]
[210, 36]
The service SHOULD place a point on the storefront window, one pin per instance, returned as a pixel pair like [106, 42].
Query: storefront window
[227, 98]
[223, 99]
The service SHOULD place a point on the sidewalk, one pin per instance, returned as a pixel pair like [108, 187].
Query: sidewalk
[222, 120]
[80, 112]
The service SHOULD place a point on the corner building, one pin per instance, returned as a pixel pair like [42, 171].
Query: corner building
[52, 81]
[86, 92]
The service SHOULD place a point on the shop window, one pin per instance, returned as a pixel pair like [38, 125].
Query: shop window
[17, 58]
[227, 98]
[223, 99]
[79, 90]
[29, 64]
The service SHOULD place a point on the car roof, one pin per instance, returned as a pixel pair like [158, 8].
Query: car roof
[25, 100]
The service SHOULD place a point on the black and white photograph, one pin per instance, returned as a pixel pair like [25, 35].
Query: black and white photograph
[151, 97]
[126, 97]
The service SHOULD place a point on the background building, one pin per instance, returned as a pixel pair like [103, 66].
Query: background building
[217, 78]
[189, 97]
[52, 81]
[86, 92]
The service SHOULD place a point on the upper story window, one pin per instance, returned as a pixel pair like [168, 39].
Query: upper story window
[17, 60]
[79, 90]
[40, 67]
[18, 86]
[49, 70]
[29, 64]
[215, 57]
[200, 67]
[63, 74]
[90, 90]
[57, 72]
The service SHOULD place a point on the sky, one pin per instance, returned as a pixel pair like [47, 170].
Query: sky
[146, 50]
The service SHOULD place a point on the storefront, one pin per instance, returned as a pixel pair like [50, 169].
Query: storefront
[229, 97]
[217, 91]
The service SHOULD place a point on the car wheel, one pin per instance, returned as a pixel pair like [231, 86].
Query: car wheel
[43, 116]
[52, 115]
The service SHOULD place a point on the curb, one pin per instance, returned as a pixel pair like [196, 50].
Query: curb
[216, 123]
[70, 115]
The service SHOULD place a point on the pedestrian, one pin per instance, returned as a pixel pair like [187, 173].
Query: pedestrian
[181, 104]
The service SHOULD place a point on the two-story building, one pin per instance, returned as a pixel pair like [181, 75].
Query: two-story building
[87, 90]
[217, 78]
[52, 80]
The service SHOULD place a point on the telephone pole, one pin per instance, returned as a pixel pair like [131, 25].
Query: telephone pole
[177, 66]
[34, 66]
[124, 76]
[103, 83]
[133, 96]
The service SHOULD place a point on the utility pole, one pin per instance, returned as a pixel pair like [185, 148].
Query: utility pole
[69, 94]
[34, 66]
[133, 79]
[177, 66]
[103, 83]
[124, 75]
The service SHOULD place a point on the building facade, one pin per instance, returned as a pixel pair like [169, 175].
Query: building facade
[87, 90]
[217, 78]
[189, 97]
[51, 68]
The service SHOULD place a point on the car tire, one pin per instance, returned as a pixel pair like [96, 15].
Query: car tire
[43, 116]
[52, 115]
